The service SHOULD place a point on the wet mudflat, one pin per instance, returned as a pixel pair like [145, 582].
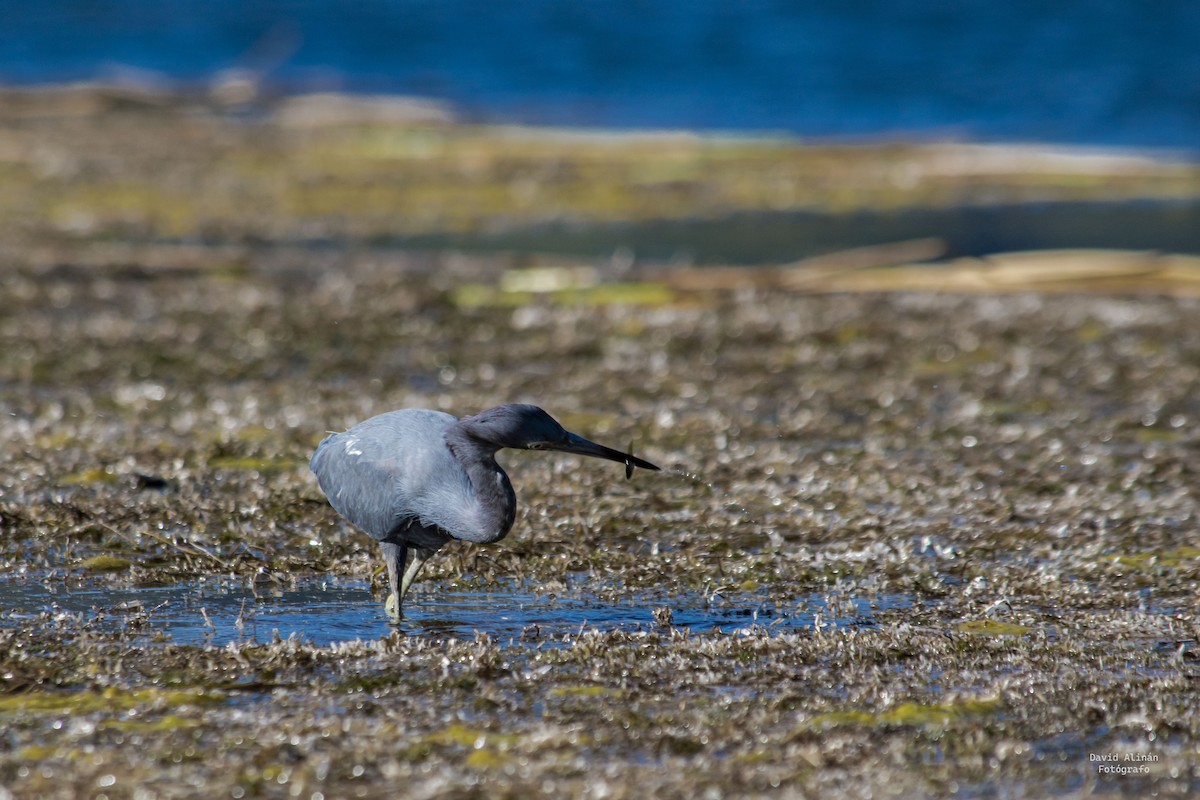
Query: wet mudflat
[942, 543]
[935, 544]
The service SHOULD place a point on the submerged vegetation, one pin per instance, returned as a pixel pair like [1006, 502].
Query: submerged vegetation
[1019, 468]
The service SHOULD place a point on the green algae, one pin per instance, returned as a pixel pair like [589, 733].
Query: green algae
[1172, 558]
[488, 759]
[917, 715]
[105, 563]
[834, 719]
[168, 723]
[991, 627]
[90, 477]
[477, 295]
[110, 700]
[470, 295]
[474, 738]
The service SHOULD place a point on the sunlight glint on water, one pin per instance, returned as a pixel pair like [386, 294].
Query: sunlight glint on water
[322, 611]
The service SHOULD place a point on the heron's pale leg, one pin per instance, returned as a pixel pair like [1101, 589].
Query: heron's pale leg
[420, 556]
[394, 556]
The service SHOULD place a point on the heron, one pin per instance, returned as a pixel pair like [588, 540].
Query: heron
[414, 479]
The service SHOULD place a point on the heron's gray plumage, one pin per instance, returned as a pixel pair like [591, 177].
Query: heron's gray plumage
[395, 478]
[417, 478]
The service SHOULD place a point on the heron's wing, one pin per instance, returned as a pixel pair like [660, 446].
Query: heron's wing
[378, 474]
[359, 488]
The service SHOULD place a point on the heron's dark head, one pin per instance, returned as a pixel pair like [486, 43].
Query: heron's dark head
[526, 427]
[516, 425]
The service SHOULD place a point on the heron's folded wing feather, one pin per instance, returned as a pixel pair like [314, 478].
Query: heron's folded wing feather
[392, 470]
[362, 489]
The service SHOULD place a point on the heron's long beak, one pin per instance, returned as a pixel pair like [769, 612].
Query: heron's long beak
[581, 446]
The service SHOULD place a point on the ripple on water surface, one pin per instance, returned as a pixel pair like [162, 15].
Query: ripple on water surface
[328, 610]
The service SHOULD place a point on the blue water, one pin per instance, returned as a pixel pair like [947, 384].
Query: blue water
[1115, 72]
[322, 611]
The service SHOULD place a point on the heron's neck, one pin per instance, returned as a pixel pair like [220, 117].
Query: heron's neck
[496, 502]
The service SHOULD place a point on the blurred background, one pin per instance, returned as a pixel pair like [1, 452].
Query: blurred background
[686, 133]
[1113, 72]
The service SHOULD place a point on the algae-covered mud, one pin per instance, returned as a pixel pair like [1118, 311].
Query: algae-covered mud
[905, 544]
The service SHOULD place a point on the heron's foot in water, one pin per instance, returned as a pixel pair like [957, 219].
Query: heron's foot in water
[392, 606]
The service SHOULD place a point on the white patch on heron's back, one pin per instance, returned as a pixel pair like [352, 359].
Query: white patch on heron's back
[351, 449]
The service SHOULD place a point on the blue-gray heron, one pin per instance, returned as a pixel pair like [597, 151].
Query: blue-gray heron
[414, 479]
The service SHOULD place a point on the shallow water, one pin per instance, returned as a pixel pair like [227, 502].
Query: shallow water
[323, 611]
